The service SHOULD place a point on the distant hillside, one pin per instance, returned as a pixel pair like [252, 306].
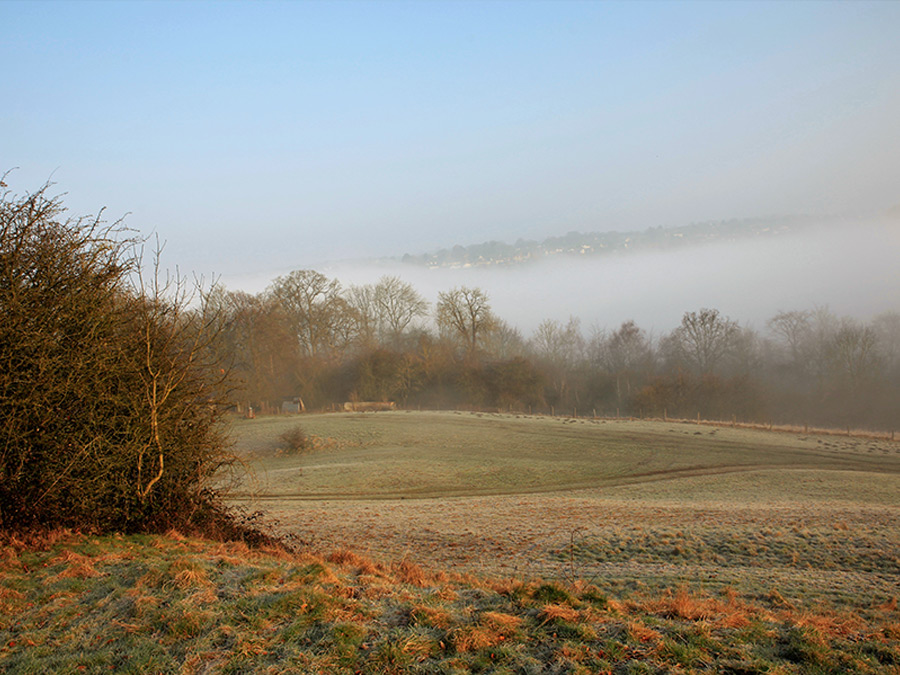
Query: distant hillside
[606, 243]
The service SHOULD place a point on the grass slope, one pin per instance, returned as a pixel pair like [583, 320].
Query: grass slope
[641, 506]
[154, 604]
[421, 455]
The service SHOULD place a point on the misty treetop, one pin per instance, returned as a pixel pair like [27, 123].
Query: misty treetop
[310, 337]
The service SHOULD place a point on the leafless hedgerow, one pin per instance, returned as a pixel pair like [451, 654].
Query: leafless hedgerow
[109, 399]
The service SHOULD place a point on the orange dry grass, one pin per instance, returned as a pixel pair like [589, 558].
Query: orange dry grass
[232, 552]
[829, 625]
[344, 557]
[683, 606]
[37, 540]
[431, 617]
[506, 624]
[642, 633]
[419, 647]
[473, 638]
[558, 611]
[410, 573]
[189, 574]
[79, 566]
[10, 599]
[889, 606]
[9, 558]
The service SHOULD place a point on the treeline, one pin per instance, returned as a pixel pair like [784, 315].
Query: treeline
[309, 339]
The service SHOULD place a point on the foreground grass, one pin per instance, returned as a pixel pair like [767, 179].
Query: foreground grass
[147, 604]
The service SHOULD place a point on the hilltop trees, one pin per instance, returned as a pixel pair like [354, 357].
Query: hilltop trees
[108, 404]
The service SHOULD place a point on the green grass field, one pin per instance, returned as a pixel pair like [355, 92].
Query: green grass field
[417, 455]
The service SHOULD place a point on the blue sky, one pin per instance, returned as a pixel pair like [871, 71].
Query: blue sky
[256, 137]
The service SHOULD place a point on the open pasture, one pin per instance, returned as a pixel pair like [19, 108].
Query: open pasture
[633, 505]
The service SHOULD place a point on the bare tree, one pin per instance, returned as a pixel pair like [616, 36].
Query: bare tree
[398, 304]
[624, 354]
[322, 320]
[852, 352]
[505, 342]
[561, 350]
[792, 329]
[704, 339]
[887, 331]
[257, 344]
[362, 300]
[465, 313]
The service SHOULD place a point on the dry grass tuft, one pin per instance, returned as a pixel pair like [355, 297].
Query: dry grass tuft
[146, 603]
[9, 558]
[432, 617]
[410, 573]
[642, 633]
[506, 624]
[559, 612]
[616, 606]
[830, 625]
[889, 606]
[682, 606]
[506, 586]
[10, 599]
[175, 535]
[779, 600]
[473, 638]
[418, 647]
[37, 540]
[362, 564]
[231, 553]
[188, 574]
[78, 566]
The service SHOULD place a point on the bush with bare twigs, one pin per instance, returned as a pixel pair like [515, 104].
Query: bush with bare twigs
[109, 404]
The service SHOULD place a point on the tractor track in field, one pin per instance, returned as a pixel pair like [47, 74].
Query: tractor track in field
[569, 487]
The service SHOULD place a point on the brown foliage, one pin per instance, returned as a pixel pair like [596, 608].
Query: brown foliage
[109, 408]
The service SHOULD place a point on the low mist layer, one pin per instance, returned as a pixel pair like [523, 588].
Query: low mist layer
[850, 268]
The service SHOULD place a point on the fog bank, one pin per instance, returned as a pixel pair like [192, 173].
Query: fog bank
[852, 268]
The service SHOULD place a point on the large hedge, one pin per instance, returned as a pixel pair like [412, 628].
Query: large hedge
[109, 410]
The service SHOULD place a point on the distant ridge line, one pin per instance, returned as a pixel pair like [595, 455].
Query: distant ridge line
[593, 244]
